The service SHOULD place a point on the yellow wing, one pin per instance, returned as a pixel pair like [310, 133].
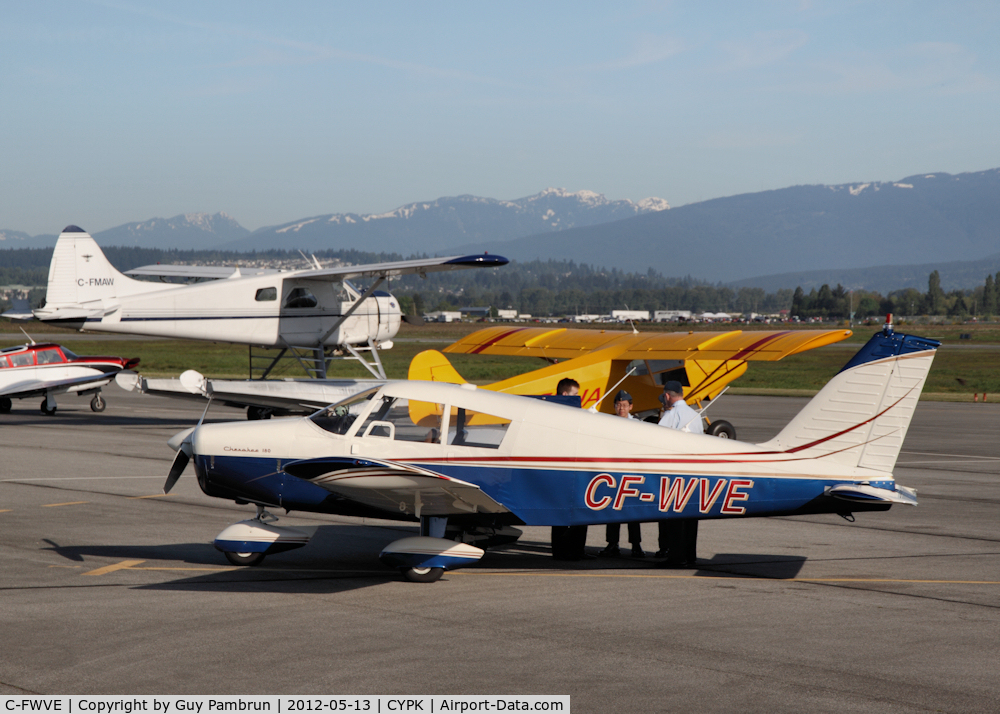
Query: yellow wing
[567, 343]
[704, 362]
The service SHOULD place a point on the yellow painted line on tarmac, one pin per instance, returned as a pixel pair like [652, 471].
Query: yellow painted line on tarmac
[725, 576]
[6, 510]
[125, 564]
[199, 570]
[155, 495]
[68, 503]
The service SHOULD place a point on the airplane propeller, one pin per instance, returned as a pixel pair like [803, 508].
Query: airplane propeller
[183, 443]
[176, 469]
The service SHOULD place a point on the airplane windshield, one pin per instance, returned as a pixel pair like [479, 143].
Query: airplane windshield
[69, 355]
[338, 418]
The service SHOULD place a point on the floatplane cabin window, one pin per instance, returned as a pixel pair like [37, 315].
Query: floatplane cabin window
[266, 295]
[48, 356]
[300, 297]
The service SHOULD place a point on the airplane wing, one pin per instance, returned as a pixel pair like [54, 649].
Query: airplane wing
[403, 267]
[200, 272]
[394, 486]
[31, 387]
[294, 395]
[567, 343]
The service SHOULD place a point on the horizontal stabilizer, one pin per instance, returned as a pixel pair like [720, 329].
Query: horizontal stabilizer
[859, 493]
[20, 310]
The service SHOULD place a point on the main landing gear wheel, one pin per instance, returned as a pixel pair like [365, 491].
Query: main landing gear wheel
[45, 408]
[248, 559]
[5, 405]
[722, 429]
[98, 403]
[423, 575]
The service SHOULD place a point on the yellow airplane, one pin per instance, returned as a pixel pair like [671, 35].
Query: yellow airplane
[639, 362]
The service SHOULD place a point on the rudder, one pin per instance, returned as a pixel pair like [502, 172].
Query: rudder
[860, 418]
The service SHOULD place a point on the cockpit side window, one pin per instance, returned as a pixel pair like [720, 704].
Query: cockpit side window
[50, 356]
[476, 429]
[22, 359]
[404, 420]
[301, 297]
[266, 295]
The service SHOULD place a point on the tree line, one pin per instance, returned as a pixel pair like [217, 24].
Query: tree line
[982, 301]
[557, 287]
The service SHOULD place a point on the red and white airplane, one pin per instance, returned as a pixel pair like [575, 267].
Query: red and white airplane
[46, 369]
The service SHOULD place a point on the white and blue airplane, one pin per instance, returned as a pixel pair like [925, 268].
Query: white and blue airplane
[471, 465]
[314, 314]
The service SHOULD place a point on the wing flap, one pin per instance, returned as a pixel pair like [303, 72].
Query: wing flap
[394, 487]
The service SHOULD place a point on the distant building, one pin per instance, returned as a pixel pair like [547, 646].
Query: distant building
[475, 312]
[715, 317]
[672, 315]
[443, 316]
[506, 314]
[583, 318]
[626, 315]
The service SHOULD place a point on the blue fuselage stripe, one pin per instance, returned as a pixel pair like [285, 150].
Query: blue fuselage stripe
[568, 497]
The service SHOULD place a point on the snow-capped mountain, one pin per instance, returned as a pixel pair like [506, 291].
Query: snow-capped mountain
[921, 219]
[15, 239]
[439, 225]
[186, 231]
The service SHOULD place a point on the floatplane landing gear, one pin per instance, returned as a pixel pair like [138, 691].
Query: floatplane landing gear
[247, 542]
[424, 558]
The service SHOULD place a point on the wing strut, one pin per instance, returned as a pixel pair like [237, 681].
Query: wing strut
[380, 373]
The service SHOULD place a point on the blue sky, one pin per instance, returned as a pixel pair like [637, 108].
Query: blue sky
[128, 110]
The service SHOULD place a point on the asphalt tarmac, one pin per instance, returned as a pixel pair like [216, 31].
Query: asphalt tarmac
[109, 587]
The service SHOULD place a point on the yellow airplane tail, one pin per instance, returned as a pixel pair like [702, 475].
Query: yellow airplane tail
[432, 366]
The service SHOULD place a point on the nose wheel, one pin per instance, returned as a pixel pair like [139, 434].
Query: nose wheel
[98, 403]
[245, 559]
[423, 575]
[45, 408]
